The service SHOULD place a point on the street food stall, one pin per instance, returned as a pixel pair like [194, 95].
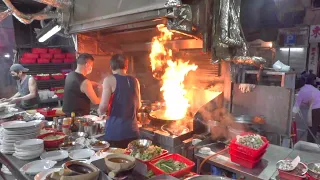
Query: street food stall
[209, 118]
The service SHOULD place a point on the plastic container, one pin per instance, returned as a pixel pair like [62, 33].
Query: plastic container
[46, 112]
[43, 61]
[59, 56]
[70, 55]
[39, 50]
[58, 77]
[36, 77]
[245, 156]
[247, 150]
[69, 60]
[289, 176]
[52, 143]
[176, 157]
[30, 55]
[27, 60]
[57, 61]
[55, 51]
[56, 88]
[43, 78]
[164, 152]
[46, 55]
[60, 95]
[244, 162]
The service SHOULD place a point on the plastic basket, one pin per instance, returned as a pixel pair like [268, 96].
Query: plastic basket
[70, 55]
[57, 61]
[244, 162]
[55, 51]
[60, 95]
[59, 56]
[242, 155]
[247, 150]
[57, 77]
[43, 61]
[47, 112]
[56, 88]
[27, 61]
[43, 78]
[53, 143]
[289, 176]
[175, 157]
[39, 50]
[69, 60]
[30, 55]
[47, 56]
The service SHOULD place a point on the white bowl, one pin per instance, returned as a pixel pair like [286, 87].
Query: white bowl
[28, 143]
[81, 154]
[55, 155]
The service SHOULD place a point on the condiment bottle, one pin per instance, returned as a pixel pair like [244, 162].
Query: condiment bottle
[73, 126]
[66, 126]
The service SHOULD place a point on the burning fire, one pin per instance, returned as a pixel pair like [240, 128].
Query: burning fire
[172, 73]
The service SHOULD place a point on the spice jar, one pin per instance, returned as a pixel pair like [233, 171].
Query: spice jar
[66, 125]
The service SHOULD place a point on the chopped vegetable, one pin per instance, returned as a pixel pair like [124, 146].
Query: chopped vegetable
[150, 153]
[170, 165]
[150, 174]
[253, 141]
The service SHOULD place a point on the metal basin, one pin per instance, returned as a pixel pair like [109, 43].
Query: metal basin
[139, 144]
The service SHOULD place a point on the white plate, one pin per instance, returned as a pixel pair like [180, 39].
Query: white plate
[21, 125]
[26, 131]
[29, 142]
[29, 153]
[11, 122]
[81, 154]
[26, 157]
[55, 155]
[6, 152]
[24, 149]
[42, 175]
[34, 167]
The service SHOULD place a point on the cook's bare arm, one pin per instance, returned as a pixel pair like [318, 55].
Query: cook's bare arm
[87, 88]
[106, 94]
[32, 89]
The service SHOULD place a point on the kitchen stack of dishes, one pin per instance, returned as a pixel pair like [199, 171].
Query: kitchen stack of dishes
[28, 149]
[18, 131]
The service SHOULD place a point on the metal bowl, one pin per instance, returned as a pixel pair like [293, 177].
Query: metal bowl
[99, 145]
[139, 144]
[305, 170]
[312, 172]
[69, 146]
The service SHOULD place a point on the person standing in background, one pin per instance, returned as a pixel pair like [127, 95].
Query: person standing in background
[310, 96]
[121, 98]
[78, 90]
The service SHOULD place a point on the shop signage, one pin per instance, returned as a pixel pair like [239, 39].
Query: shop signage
[314, 34]
[290, 40]
[313, 57]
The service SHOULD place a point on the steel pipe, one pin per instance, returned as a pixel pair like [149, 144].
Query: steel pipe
[56, 3]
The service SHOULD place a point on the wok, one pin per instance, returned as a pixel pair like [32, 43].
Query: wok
[157, 118]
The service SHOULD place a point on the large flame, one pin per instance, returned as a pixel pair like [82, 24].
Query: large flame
[172, 74]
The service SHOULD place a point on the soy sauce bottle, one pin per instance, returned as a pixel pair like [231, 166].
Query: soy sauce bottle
[73, 126]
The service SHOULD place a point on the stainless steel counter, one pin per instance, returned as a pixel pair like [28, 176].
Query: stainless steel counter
[264, 170]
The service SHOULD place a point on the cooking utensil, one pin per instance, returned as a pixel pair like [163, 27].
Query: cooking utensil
[124, 162]
[139, 144]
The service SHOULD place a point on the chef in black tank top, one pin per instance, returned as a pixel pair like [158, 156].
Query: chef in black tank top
[78, 90]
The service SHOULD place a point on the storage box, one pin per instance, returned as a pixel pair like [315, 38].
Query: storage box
[57, 61]
[57, 77]
[244, 162]
[69, 60]
[46, 55]
[39, 50]
[43, 60]
[27, 60]
[30, 55]
[245, 156]
[55, 51]
[70, 55]
[59, 56]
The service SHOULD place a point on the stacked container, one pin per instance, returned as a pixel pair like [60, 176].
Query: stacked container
[46, 55]
[246, 156]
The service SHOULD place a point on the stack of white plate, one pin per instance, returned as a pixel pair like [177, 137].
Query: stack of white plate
[28, 149]
[13, 132]
[5, 170]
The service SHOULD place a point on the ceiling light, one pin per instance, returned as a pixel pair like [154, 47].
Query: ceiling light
[49, 30]
[292, 49]
[7, 55]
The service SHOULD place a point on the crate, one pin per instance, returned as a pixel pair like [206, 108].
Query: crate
[243, 155]
[70, 55]
[59, 56]
[58, 77]
[39, 50]
[46, 55]
[55, 50]
[247, 150]
[288, 176]
[69, 60]
[175, 157]
[163, 153]
[43, 78]
[43, 60]
[28, 61]
[57, 61]
[30, 55]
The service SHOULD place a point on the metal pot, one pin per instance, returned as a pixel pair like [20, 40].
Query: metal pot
[157, 118]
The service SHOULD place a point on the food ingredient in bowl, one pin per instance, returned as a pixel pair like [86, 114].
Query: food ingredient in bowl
[53, 137]
[148, 154]
[253, 141]
[45, 131]
[170, 165]
[98, 144]
[285, 165]
[119, 160]
[116, 150]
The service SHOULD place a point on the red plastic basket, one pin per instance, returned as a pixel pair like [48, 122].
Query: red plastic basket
[69, 60]
[245, 156]
[43, 78]
[59, 56]
[39, 50]
[164, 152]
[43, 61]
[30, 55]
[55, 50]
[244, 162]
[289, 176]
[247, 150]
[46, 112]
[36, 77]
[70, 55]
[175, 157]
[57, 77]
[56, 88]
[57, 61]
[47, 56]
[27, 61]
[60, 95]
[311, 177]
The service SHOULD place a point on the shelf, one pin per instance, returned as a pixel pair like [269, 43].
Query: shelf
[50, 81]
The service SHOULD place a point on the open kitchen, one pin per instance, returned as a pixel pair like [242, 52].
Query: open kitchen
[200, 103]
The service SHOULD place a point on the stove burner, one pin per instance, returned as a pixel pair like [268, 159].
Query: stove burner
[176, 131]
